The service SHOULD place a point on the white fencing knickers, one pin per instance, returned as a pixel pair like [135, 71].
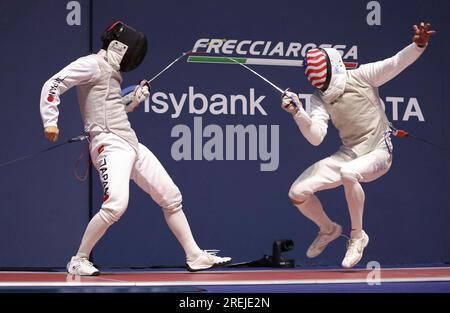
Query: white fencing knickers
[117, 162]
[345, 168]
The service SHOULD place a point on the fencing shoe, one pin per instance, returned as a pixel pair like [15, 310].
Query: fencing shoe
[207, 259]
[355, 248]
[81, 266]
[322, 240]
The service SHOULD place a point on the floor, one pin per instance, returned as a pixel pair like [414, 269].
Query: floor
[417, 279]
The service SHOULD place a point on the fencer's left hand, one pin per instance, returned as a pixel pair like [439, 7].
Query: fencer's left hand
[140, 94]
[51, 133]
[422, 34]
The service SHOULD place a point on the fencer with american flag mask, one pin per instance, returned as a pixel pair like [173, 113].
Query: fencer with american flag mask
[350, 99]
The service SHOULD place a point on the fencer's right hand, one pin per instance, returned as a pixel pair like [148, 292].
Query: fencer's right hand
[51, 133]
[140, 94]
[288, 104]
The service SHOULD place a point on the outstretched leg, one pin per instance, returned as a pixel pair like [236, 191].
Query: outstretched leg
[150, 175]
[113, 158]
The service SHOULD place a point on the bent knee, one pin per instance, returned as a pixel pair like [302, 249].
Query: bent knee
[113, 208]
[295, 201]
[173, 207]
[111, 215]
[172, 201]
[299, 195]
[349, 176]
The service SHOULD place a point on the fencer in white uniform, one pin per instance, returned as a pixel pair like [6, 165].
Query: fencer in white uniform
[115, 150]
[350, 99]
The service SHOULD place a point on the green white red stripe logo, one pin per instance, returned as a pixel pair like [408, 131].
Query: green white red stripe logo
[254, 61]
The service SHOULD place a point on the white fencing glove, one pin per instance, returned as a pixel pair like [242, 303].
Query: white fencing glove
[290, 102]
[138, 95]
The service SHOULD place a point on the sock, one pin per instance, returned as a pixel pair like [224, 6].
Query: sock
[355, 199]
[356, 233]
[94, 231]
[179, 226]
[312, 209]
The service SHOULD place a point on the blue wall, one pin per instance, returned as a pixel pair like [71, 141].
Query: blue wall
[232, 205]
[43, 209]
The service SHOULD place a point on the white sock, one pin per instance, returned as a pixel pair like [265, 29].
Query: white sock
[179, 226]
[94, 231]
[355, 199]
[177, 223]
[312, 209]
[356, 233]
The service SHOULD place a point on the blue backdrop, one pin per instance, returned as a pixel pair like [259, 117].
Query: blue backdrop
[236, 204]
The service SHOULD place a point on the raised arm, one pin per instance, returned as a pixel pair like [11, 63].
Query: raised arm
[81, 71]
[378, 73]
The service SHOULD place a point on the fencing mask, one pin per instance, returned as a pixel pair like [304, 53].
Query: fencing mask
[323, 67]
[129, 45]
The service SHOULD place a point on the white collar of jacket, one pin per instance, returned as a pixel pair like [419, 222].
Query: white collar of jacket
[338, 76]
[114, 54]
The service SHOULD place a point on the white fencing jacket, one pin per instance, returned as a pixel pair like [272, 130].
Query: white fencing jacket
[353, 104]
[99, 96]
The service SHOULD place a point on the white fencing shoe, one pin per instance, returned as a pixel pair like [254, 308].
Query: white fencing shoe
[355, 248]
[82, 267]
[207, 259]
[322, 240]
